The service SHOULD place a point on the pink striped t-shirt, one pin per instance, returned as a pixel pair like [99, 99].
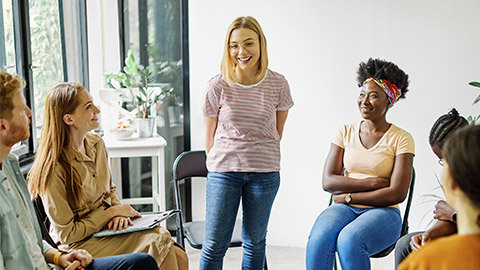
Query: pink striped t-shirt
[246, 138]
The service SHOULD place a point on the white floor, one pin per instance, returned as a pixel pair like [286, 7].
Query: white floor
[278, 258]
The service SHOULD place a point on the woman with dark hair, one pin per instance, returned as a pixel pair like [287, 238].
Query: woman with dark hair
[71, 175]
[376, 157]
[443, 213]
[461, 183]
[245, 110]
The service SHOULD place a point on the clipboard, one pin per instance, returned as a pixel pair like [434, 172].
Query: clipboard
[145, 222]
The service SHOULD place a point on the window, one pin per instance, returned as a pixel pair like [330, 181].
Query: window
[157, 31]
[47, 54]
[8, 53]
[7, 43]
[34, 47]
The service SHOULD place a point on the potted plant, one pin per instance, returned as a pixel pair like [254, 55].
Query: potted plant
[169, 73]
[138, 91]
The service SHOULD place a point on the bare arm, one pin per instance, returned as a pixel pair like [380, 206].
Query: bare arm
[443, 211]
[334, 182]
[210, 128]
[395, 193]
[75, 259]
[443, 227]
[281, 118]
[440, 229]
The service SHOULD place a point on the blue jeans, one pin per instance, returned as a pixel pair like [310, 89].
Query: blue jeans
[133, 261]
[355, 233]
[224, 191]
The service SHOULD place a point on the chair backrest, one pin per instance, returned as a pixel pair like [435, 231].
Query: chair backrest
[408, 205]
[43, 221]
[188, 164]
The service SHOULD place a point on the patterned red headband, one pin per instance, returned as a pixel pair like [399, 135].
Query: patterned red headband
[392, 91]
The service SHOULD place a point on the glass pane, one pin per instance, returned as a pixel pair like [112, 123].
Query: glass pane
[153, 30]
[46, 52]
[7, 42]
[7, 55]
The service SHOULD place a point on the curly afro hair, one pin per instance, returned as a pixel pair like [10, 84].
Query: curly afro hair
[381, 69]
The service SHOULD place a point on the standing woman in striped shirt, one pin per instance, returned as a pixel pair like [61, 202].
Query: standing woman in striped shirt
[245, 109]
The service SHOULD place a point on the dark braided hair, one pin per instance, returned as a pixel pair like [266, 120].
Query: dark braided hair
[381, 69]
[444, 126]
[462, 153]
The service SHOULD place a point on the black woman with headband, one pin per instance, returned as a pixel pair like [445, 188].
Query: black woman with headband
[377, 158]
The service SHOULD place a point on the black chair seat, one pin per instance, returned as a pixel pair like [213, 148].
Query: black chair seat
[194, 233]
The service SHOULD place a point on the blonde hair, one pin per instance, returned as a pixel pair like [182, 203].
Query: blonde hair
[227, 66]
[9, 86]
[61, 99]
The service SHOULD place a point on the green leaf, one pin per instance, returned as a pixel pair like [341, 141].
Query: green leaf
[471, 120]
[130, 59]
[142, 91]
[433, 196]
[476, 100]
[476, 84]
[128, 83]
[109, 84]
[131, 70]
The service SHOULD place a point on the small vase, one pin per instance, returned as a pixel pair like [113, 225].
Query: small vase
[174, 114]
[145, 126]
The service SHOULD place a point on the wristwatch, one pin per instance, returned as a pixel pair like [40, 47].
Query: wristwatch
[454, 217]
[348, 198]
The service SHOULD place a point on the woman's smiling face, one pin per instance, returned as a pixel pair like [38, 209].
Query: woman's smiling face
[85, 115]
[244, 47]
[372, 101]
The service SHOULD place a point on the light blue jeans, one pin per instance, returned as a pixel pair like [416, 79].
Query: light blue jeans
[224, 191]
[355, 233]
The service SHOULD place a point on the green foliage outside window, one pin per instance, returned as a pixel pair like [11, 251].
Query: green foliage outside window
[9, 40]
[46, 51]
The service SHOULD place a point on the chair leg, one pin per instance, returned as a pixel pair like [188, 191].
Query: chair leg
[335, 261]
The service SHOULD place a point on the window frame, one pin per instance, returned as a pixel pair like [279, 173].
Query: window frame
[24, 64]
[143, 59]
[185, 61]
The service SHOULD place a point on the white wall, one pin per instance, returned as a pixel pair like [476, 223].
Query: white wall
[103, 42]
[317, 45]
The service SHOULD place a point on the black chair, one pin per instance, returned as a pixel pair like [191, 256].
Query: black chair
[404, 231]
[43, 221]
[187, 165]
